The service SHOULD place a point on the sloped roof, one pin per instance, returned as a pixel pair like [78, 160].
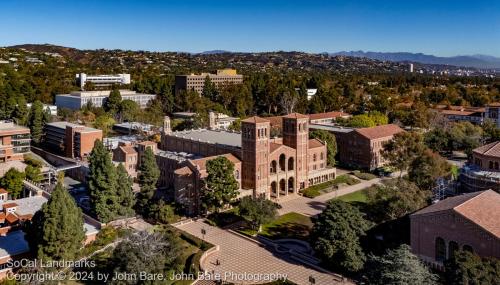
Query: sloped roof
[481, 208]
[3, 191]
[202, 162]
[255, 119]
[491, 149]
[379, 131]
[274, 146]
[11, 218]
[327, 115]
[9, 205]
[183, 171]
[314, 143]
[128, 149]
[296, 116]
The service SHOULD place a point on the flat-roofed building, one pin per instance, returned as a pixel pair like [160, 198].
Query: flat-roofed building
[483, 171]
[105, 80]
[14, 141]
[78, 99]
[71, 140]
[475, 115]
[465, 222]
[196, 82]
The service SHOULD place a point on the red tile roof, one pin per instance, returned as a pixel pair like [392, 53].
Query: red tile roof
[491, 149]
[314, 143]
[147, 143]
[379, 131]
[183, 171]
[202, 162]
[255, 119]
[3, 191]
[274, 146]
[295, 116]
[11, 218]
[327, 115]
[480, 208]
[9, 205]
[128, 149]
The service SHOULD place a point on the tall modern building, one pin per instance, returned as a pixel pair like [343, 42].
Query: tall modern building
[106, 80]
[196, 81]
[78, 99]
[72, 140]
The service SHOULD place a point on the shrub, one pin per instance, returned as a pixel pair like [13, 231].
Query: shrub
[364, 175]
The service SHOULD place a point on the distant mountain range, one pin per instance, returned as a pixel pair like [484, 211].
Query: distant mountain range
[478, 61]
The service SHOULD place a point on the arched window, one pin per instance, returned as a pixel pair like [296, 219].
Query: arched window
[440, 249]
[273, 166]
[237, 174]
[452, 248]
[467, 248]
[282, 162]
[290, 163]
[491, 165]
[321, 156]
[314, 157]
[496, 165]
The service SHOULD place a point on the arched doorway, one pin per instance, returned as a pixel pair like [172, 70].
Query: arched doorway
[274, 166]
[291, 163]
[274, 189]
[282, 187]
[291, 185]
[452, 248]
[282, 162]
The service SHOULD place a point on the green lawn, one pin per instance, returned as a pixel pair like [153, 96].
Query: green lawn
[290, 225]
[358, 196]
[326, 187]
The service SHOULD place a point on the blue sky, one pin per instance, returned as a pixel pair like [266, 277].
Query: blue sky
[439, 27]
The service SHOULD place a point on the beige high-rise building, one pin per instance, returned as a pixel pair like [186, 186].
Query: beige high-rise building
[197, 81]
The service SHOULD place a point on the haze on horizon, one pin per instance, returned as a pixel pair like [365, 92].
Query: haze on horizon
[441, 28]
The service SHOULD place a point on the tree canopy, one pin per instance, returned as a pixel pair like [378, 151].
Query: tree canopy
[335, 236]
[331, 144]
[258, 211]
[12, 181]
[220, 185]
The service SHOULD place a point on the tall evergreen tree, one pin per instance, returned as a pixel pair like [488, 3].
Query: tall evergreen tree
[56, 231]
[126, 198]
[113, 102]
[220, 185]
[148, 177]
[102, 183]
[21, 111]
[209, 90]
[398, 266]
[36, 121]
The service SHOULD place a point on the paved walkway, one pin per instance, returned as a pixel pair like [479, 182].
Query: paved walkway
[238, 256]
[314, 206]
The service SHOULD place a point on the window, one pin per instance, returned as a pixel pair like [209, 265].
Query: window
[314, 157]
[321, 156]
[491, 165]
[440, 249]
[452, 248]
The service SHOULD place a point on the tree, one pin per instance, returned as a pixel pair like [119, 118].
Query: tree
[148, 178]
[335, 236]
[467, 268]
[36, 122]
[331, 143]
[21, 111]
[209, 90]
[220, 185]
[394, 199]
[12, 181]
[56, 231]
[104, 123]
[128, 110]
[403, 149]
[258, 211]
[144, 252]
[163, 212]
[465, 136]
[113, 102]
[361, 121]
[102, 181]
[398, 266]
[126, 198]
[33, 173]
[427, 168]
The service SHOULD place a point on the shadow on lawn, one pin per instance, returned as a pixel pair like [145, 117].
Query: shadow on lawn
[288, 230]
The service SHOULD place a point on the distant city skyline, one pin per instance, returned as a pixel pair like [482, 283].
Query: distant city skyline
[441, 28]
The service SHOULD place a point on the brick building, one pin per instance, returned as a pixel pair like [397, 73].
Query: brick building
[483, 171]
[362, 147]
[72, 140]
[126, 154]
[196, 82]
[269, 167]
[14, 141]
[467, 222]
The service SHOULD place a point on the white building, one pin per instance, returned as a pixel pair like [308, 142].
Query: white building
[78, 99]
[310, 92]
[51, 108]
[218, 121]
[105, 80]
[411, 67]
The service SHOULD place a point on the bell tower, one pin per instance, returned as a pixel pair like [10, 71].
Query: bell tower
[255, 133]
[296, 136]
